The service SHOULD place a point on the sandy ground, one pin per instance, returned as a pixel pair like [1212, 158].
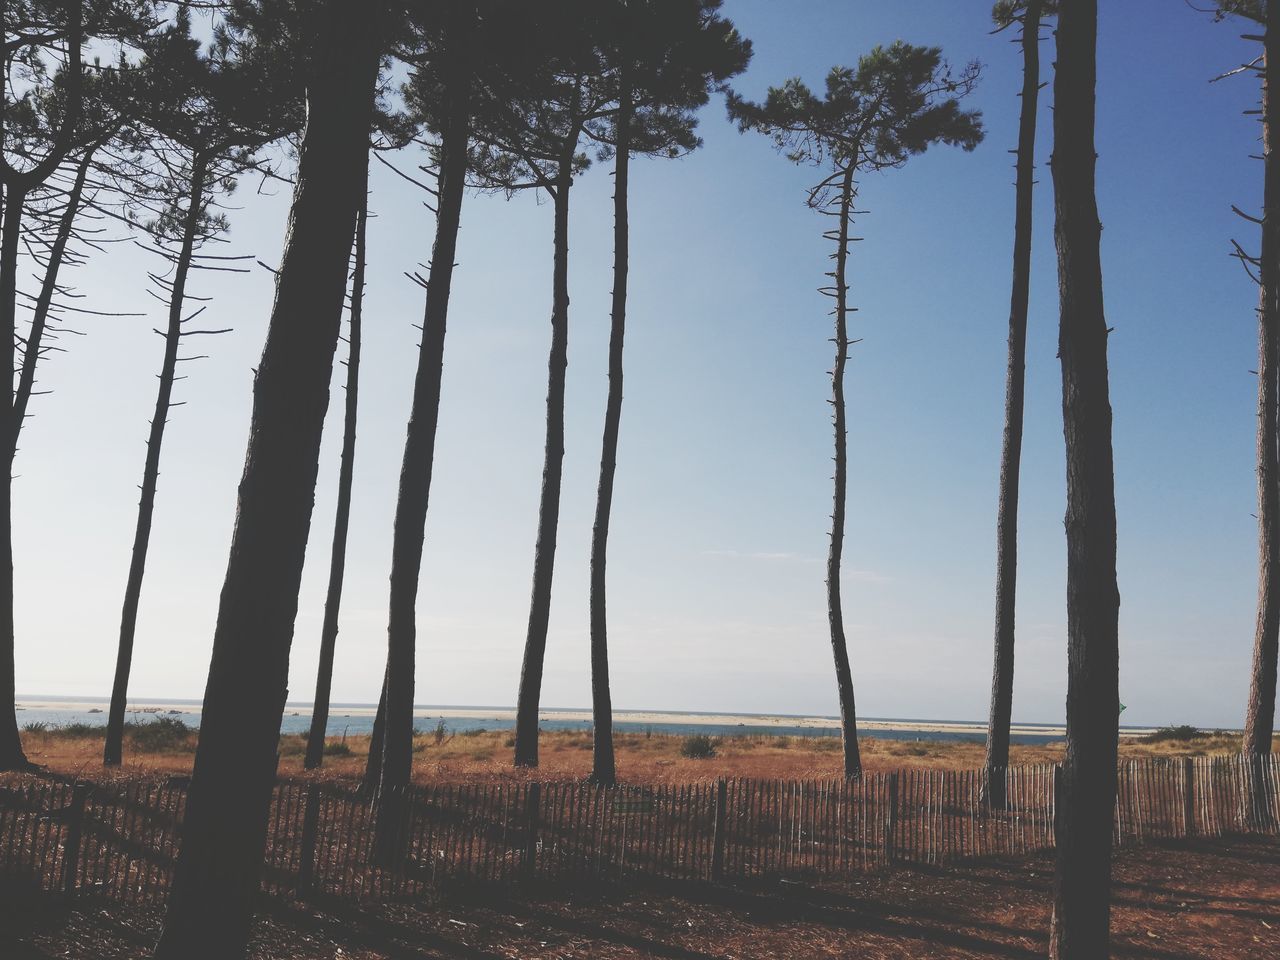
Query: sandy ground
[1211, 901]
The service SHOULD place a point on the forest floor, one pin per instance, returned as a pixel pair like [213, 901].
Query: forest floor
[1216, 900]
[485, 756]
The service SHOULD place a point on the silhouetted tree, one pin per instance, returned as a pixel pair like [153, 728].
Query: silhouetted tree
[224, 826]
[450, 63]
[41, 126]
[1264, 269]
[666, 57]
[1027, 14]
[899, 101]
[342, 511]
[209, 114]
[1086, 802]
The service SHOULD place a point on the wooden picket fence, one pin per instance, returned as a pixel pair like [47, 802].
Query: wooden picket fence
[119, 839]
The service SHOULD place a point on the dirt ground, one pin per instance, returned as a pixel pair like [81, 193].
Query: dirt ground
[485, 756]
[1213, 900]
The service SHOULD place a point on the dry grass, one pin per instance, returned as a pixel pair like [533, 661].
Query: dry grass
[485, 756]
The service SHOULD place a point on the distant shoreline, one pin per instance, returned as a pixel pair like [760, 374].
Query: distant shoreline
[499, 714]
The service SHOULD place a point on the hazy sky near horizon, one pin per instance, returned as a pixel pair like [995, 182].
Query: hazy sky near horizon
[716, 562]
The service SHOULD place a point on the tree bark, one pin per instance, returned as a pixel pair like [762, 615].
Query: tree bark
[418, 462]
[1082, 884]
[49, 286]
[603, 767]
[535, 645]
[835, 610]
[342, 512]
[12, 756]
[1011, 451]
[224, 828]
[1260, 713]
[112, 751]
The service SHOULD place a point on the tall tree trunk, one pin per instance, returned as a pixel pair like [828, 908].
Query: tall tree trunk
[111, 753]
[1260, 715]
[535, 644]
[835, 611]
[416, 467]
[224, 828]
[11, 754]
[603, 767]
[48, 287]
[1082, 884]
[342, 513]
[1011, 451]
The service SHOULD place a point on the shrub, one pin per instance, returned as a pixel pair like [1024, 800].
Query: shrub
[782, 743]
[698, 747]
[35, 726]
[162, 733]
[336, 748]
[441, 729]
[1180, 734]
[78, 731]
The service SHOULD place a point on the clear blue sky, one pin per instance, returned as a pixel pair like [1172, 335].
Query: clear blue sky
[716, 573]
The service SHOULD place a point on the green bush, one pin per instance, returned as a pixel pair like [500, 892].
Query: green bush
[35, 726]
[78, 731]
[1181, 734]
[698, 747]
[162, 733]
[337, 748]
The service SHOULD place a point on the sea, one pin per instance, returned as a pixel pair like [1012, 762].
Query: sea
[357, 718]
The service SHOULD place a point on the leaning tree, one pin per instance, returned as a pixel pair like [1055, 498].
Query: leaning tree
[208, 114]
[896, 103]
[666, 57]
[336, 49]
[1086, 797]
[1027, 14]
[41, 125]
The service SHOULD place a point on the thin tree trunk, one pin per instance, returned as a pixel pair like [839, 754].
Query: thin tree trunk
[603, 768]
[113, 749]
[835, 611]
[1082, 884]
[535, 644]
[1011, 451]
[373, 763]
[1260, 714]
[11, 754]
[224, 828]
[342, 513]
[417, 465]
[49, 286]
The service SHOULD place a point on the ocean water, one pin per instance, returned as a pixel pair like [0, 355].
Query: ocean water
[297, 719]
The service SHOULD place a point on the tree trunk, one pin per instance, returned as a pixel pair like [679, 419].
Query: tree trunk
[373, 762]
[1082, 884]
[49, 286]
[224, 828]
[535, 644]
[835, 611]
[1260, 715]
[11, 754]
[603, 767]
[342, 513]
[111, 754]
[418, 461]
[1011, 451]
